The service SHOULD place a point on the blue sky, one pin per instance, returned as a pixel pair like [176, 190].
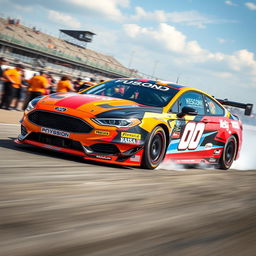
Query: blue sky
[209, 44]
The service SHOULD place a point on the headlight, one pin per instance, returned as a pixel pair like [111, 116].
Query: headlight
[118, 122]
[30, 106]
[33, 103]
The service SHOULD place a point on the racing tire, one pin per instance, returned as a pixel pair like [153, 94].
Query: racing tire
[154, 149]
[228, 154]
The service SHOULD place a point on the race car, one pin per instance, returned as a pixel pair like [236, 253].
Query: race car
[136, 122]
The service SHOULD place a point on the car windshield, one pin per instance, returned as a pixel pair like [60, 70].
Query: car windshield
[147, 93]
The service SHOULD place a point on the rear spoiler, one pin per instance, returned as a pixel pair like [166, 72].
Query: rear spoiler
[248, 107]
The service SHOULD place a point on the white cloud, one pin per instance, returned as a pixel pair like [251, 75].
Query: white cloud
[230, 3]
[108, 8]
[190, 18]
[185, 52]
[157, 15]
[170, 38]
[221, 40]
[243, 60]
[63, 19]
[251, 6]
[241, 64]
[223, 74]
[225, 41]
[23, 8]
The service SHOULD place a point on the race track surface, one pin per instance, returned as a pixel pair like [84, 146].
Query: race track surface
[59, 205]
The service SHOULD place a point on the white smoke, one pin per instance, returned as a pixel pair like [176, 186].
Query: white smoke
[247, 159]
[170, 165]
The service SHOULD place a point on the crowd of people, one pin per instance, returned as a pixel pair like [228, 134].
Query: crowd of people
[17, 90]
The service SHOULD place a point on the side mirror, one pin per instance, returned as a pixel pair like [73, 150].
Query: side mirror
[187, 111]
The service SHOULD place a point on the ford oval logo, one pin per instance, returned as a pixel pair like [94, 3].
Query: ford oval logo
[62, 109]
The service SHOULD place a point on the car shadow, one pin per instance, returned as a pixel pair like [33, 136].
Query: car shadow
[10, 144]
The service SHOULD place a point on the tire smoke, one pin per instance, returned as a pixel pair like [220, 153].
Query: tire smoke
[247, 159]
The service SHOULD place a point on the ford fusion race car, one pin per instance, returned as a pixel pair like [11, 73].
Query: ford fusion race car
[136, 122]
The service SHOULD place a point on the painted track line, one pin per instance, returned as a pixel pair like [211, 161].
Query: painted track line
[3, 124]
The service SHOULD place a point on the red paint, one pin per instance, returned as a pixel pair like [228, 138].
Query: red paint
[79, 100]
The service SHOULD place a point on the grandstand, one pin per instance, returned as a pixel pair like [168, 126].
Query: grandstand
[41, 50]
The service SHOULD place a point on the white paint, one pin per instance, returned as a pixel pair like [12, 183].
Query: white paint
[223, 124]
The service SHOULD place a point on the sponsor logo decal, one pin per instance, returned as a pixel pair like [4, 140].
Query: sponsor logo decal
[131, 135]
[212, 108]
[194, 102]
[208, 146]
[55, 132]
[212, 160]
[224, 124]
[235, 124]
[103, 157]
[100, 157]
[217, 152]
[98, 132]
[129, 141]
[135, 158]
[176, 135]
[177, 127]
[62, 109]
[144, 84]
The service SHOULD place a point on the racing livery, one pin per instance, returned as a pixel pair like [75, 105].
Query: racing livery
[136, 122]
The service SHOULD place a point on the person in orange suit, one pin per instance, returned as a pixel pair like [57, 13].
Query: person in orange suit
[64, 85]
[38, 85]
[13, 79]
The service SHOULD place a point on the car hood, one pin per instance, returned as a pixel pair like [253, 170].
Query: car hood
[97, 105]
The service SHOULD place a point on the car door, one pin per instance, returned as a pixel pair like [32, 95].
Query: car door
[217, 129]
[187, 130]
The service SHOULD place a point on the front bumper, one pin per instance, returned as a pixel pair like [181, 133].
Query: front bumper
[102, 144]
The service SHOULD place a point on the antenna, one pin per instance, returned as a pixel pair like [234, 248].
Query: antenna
[178, 78]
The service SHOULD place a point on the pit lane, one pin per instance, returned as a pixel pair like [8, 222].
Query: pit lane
[55, 204]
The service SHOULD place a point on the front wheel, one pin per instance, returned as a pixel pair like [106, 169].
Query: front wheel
[228, 154]
[154, 149]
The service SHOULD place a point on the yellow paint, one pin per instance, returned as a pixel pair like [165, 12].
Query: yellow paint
[131, 135]
[105, 133]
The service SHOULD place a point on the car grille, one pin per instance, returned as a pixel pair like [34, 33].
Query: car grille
[59, 121]
[55, 141]
[104, 148]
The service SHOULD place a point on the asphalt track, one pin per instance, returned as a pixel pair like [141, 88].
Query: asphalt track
[54, 204]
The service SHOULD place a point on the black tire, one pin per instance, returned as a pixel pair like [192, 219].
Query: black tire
[154, 149]
[228, 154]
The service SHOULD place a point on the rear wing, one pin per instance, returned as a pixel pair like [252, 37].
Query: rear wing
[247, 107]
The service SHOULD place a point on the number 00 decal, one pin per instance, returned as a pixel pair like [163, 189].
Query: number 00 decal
[191, 136]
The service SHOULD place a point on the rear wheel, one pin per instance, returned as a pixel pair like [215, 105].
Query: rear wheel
[154, 149]
[228, 154]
